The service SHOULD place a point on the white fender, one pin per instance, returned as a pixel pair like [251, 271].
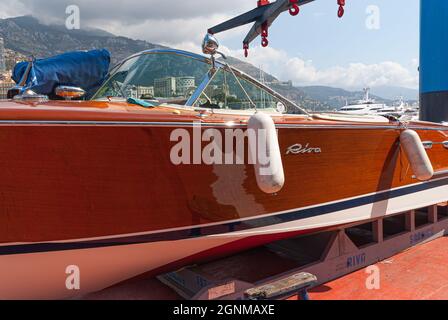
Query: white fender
[416, 154]
[264, 153]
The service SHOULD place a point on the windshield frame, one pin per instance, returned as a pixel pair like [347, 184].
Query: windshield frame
[208, 77]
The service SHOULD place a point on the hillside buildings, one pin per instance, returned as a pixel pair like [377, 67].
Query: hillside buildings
[173, 86]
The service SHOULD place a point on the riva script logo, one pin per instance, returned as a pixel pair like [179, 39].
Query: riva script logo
[302, 149]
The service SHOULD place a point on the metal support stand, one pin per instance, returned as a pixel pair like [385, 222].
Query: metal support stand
[340, 256]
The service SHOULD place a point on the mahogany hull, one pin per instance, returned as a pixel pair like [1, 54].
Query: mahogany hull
[105, 195]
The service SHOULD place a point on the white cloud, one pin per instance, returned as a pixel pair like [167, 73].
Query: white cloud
[12, 8]
[352, 76]
[130, 11]
[158, 21]
[171, 32]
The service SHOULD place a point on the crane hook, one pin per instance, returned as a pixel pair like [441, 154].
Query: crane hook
[294, 9]
[264, 42]
[264, 35]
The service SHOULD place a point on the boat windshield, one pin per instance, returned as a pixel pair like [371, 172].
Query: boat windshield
[164, 77]
[229, 91]
[187, 79]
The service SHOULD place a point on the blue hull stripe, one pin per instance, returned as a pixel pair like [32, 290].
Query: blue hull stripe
[225, 227]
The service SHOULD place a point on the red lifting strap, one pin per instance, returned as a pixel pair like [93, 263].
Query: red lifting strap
[341, 10]
[246, 49]
[264, 30]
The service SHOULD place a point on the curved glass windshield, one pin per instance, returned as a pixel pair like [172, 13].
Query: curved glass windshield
[169, 77]
[226, 90]
[166, 77]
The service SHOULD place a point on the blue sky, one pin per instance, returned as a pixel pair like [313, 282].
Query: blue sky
[318, 34]
[314, 47]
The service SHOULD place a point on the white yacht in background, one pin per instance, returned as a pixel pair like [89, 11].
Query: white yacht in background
[411, 113]
[397, 109]
[364, 106]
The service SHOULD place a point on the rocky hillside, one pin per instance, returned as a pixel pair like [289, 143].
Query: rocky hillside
[27, 36]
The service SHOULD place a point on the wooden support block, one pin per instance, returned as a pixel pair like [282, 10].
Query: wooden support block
[296, 283]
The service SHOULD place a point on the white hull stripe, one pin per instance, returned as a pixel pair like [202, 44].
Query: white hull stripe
[225, 228]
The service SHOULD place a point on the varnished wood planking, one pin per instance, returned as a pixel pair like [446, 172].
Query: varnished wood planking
[66, 182]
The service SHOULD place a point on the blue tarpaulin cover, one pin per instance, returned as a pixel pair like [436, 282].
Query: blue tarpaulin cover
[84, 69]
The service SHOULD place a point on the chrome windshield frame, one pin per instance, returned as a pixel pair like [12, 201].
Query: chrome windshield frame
[204, 84]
